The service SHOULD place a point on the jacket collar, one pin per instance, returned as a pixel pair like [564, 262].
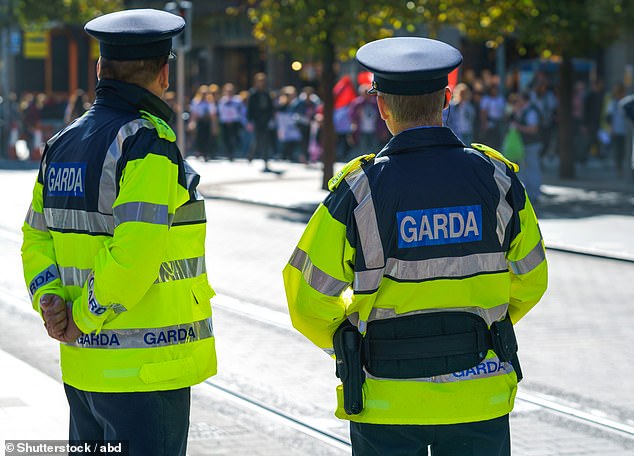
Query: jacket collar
[131, 97]
[420, 137]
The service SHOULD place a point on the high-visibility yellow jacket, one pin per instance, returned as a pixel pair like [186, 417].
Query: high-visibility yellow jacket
[117, 227]
[427, 225]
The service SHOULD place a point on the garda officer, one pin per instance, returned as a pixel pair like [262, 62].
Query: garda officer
[414, 269]
[114, 249]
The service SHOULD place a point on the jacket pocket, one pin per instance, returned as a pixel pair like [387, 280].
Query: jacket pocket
[167, 370]
[203, 292]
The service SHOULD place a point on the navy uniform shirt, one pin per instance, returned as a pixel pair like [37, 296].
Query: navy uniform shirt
[82, 164]
[433, 198]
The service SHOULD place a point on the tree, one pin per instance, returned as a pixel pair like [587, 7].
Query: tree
[328, 31]
[38, 13]
[579, 27]
[561, 28]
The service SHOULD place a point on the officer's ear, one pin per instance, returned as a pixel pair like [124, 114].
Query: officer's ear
[383, 110]
[164, 77]
[447, 97]
[99, 68]
[386, 114]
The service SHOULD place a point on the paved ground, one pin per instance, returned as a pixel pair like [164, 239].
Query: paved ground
[594, 214]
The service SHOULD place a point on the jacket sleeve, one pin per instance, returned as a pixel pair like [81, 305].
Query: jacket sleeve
[316, 277]
[151, 187]
[38, 253]
[527, 264]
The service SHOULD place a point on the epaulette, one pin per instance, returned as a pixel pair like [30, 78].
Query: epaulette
[162, 128]
[353, 164]
[489, 151]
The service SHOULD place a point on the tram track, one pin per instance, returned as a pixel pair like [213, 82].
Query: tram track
[593, 253]
[224, 302]
[576, 415]
[591, 417]
[308, 209]
[279, 415]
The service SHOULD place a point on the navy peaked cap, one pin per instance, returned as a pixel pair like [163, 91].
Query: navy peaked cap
[409, 65]
[135, 34]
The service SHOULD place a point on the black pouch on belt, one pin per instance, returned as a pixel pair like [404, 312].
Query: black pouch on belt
[505, 344]
[425, 345]
[504, 341]
[347, 342]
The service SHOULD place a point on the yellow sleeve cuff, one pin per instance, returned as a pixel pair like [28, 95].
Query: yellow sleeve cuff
[88, 314]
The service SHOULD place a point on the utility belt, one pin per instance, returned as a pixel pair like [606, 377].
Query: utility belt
[418, 346]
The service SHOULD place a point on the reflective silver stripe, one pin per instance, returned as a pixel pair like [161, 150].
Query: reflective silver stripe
[489, 315]
[54, 138]
[93, 305]
[52, 141]
[491, 367]
[534, 258]
[36, 220]
[190, 213]
[191, 176]
[141, 212]
[329, 351]
[435, 268]
[360, 324]
[118, 308]
[43, 278]
[363, 326]
[368, 280]
[445, 267]
[147, 337]
[181, 269]
[107, 183]
[504, 211]
[170, 270]
[78, 220]
[315, 277]
[365, 216]
[72, 276]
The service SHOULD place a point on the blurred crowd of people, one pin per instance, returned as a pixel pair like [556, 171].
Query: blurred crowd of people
[480, 113]
[285, 123]
[35, 117]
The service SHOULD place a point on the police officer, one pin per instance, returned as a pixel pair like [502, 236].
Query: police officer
[113, 249]
[430, 251]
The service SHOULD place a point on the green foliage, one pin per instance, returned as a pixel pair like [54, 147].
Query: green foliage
[305, 27]
[312, 29]
[574, 27]
[38, 14]
[482, 19]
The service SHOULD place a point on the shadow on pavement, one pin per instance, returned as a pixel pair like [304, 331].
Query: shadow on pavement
[18, 164]
[570, 202]
[294, 215]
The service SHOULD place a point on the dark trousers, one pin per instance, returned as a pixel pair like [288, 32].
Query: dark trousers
[153, 423]
[231, 138]
[618, 149]
[261, 143]
[481, 438]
